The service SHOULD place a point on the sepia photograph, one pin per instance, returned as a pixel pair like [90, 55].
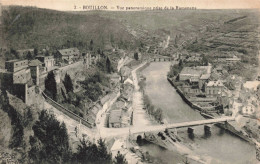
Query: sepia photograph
[129, 82]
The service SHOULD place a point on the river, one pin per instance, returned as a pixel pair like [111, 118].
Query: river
[220, 148]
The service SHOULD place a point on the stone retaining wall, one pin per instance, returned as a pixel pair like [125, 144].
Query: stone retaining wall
[192, 105]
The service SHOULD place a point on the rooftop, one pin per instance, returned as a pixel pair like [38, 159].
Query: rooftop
[115, 116]
[68, 51]
[125, 71]
[252, 85]
[128, 80]
[195, 70]
[35, 62]
[15, 60]
[205, 76]
[217, 83]
[30, 49]
[42, 56]
[104, 99]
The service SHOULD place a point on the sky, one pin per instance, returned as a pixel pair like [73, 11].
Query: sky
[69, 5]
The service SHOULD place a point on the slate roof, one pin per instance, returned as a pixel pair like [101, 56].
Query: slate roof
[205, 76]
[69, 51]
[35, 62]
[191, 71]
[217, 83]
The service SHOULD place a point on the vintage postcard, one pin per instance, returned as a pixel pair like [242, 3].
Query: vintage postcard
[129, 81]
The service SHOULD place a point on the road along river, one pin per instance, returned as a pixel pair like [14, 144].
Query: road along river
[220, 148]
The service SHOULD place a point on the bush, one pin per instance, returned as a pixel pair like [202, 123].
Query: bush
[51, 86]
[93, 85]
[120, 159]
[156, 113]
[68, 83]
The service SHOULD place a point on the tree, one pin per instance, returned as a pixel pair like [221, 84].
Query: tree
[89, 152]
[151, 109]
[91, 45]
[103, 153]
[112, 40]
[176, 40]
[93, 91]
[180, 63]
[120, 159]
[29, 56]
[50, 143]
[93, 85]
[205, 60]
[35, 52]
[15, 53]
[68, 83]
[136, 56]
[108, 65]
[158, 114]
[51, 86]
[47, 53]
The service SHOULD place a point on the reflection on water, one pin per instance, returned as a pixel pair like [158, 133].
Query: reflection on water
[220, 147]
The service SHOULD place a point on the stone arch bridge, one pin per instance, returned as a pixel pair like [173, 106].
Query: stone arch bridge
[157, 128]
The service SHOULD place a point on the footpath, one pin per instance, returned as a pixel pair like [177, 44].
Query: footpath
[141, 118]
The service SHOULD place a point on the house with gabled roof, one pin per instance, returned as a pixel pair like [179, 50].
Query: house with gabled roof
[214, 88]
[67, 55]
[115, 118]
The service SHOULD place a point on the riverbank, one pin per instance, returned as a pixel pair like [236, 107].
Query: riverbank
[155, 114]
[140, 117]
[180, 149]
[227, 126]
[190, 103]
[222, 147]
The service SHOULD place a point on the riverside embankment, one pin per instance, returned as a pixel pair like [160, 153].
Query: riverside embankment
[227, 126]
[221, 147]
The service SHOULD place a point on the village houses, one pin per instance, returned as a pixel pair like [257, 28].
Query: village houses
[67, 56]
[214, 88]
[21, 76]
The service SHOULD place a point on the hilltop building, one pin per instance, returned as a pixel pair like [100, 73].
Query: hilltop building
[48, 61]
[17, 78]
[23, 78]
[17, 72]
[35, 66]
